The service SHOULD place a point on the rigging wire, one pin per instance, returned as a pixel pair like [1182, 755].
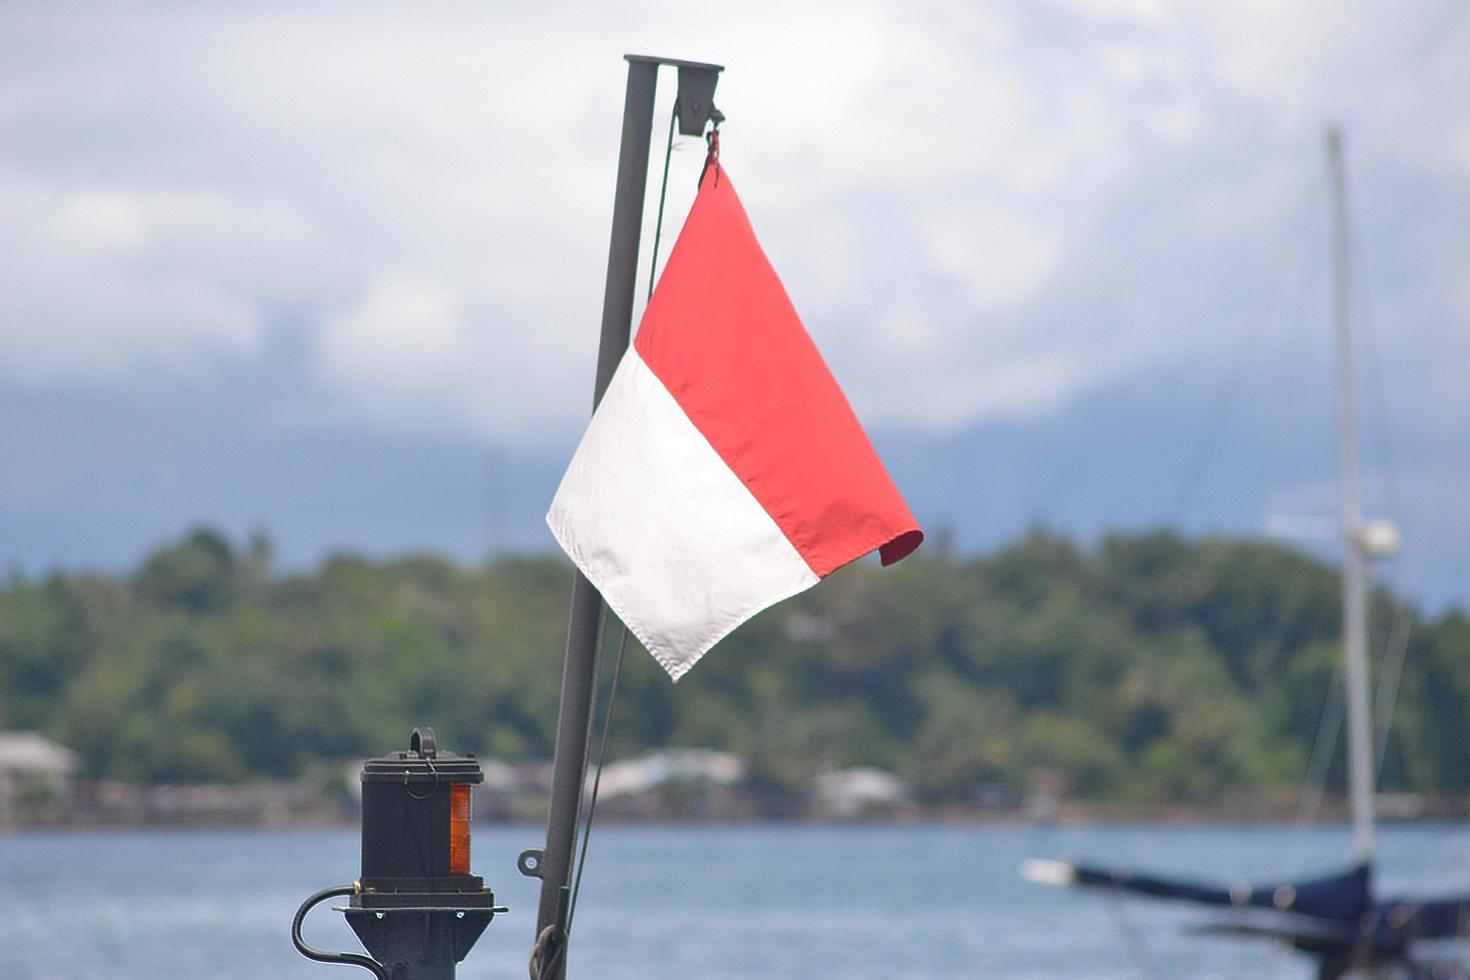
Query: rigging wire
[1286, 268]
[584, 825]
[1329, 726]
[1269, 310]
[548, 939]
[663, 193]
[1389, 677]
[1401, 628]
[1375, 386]
[1138, 949]
[1397, 641]
[612, 700]
[612, 695]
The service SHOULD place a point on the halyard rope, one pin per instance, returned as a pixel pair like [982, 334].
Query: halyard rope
[612, 695]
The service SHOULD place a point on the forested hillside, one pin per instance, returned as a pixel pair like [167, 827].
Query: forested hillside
[1149, 668]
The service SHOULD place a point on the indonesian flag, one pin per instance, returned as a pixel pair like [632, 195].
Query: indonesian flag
[723, 470]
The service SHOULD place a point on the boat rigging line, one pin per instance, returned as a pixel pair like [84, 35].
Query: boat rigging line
[1329, 726]
[1341, 919]
[1143, 957]
[612, 700]
[1397, 642]
[663, 193]
[1286, 268]
[567, 824]
[612, 694]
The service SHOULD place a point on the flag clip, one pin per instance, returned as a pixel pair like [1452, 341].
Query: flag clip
[712, 142]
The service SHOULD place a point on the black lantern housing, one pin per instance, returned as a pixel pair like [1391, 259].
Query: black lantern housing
[416, 811]
[416, 908]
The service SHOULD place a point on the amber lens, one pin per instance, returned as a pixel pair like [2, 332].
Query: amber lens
[459, 828]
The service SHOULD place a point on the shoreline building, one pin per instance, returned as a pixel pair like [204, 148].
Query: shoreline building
[35, 777]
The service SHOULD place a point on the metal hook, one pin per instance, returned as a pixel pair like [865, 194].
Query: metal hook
[434, 786]
[712, 144]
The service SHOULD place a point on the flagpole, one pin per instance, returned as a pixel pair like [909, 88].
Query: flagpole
[553, 865]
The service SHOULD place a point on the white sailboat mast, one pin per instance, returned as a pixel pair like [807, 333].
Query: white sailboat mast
[1354, 603]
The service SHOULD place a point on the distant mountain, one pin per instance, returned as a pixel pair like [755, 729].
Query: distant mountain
[95, 481]
[1171, 450]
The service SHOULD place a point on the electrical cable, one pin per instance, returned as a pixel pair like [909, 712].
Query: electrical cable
[321, 956]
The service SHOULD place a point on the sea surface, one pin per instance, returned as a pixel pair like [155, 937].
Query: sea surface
[683, 902]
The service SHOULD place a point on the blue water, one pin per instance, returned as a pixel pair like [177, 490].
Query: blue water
[681, 902]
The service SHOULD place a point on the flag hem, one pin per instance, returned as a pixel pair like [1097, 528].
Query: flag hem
[669, 661]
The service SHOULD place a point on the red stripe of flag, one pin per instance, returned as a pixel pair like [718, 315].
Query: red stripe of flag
[723, 337]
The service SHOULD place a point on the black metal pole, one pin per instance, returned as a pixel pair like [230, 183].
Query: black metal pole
[553, 864]
[576, 683]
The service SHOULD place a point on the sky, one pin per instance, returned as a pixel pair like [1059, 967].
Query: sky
[335, 270]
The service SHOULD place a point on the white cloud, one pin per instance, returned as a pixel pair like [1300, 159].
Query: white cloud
[403, 336]
[103, 223]
[90, 289]
[425, 190]
[997, 255]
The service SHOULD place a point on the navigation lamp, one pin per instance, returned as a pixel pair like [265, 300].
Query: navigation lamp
[416, 908]
[461, 807]
[416, 820]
